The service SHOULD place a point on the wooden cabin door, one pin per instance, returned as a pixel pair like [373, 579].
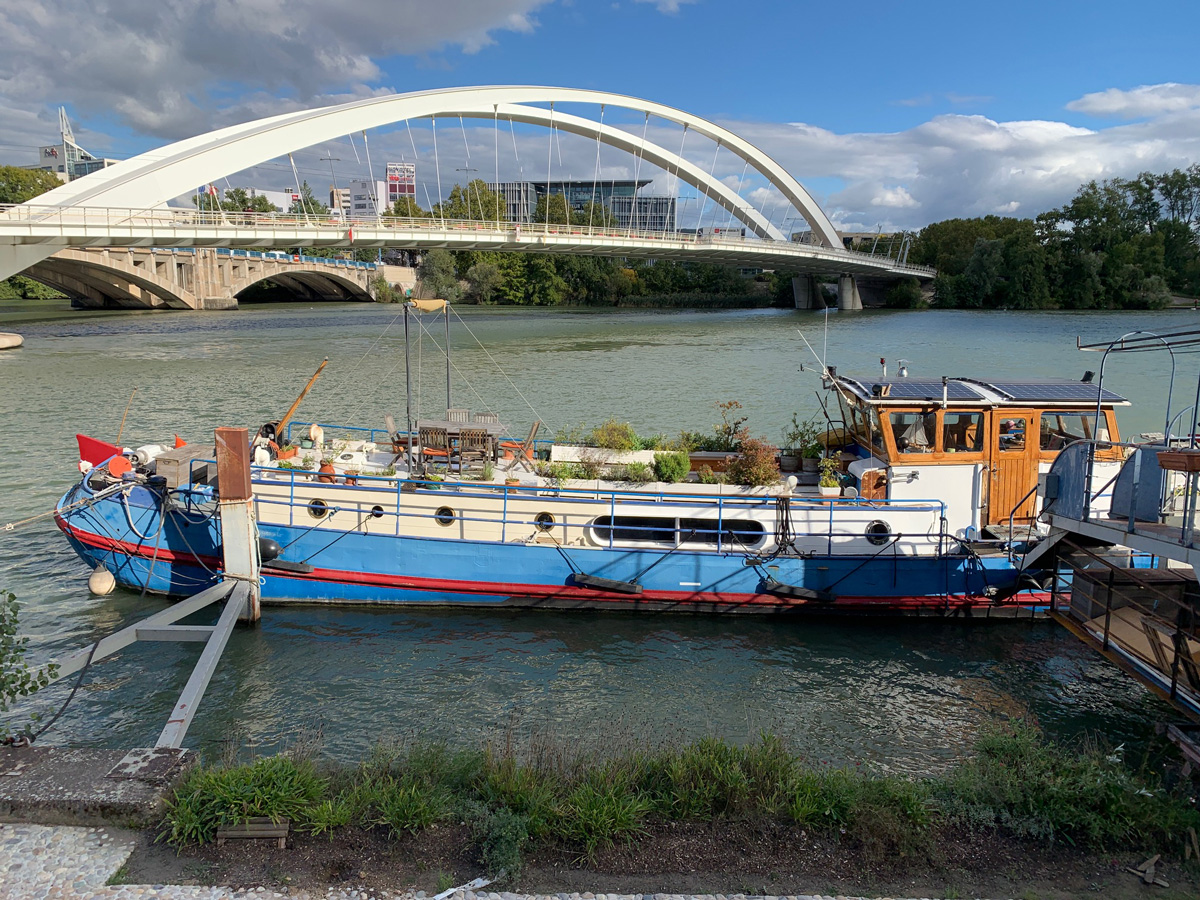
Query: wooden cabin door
[1012, 465]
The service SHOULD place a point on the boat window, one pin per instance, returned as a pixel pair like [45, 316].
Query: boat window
[644, 529]
[876, 429]
[732, 533]
[914, 432]
[1061, 428]
[1010, 438]
[962, 432]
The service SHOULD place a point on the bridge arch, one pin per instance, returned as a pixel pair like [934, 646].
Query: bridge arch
[100, 280]
[306, 280]
[153, 178]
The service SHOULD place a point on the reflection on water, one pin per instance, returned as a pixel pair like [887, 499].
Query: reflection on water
[906, 696]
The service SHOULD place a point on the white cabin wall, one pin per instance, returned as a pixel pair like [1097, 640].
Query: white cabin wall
[960, 488]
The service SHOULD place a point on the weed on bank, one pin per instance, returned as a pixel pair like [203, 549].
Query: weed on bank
[1015, 783]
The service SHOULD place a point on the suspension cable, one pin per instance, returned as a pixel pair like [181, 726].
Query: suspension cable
[417, 156]
[596, 173]
[437, 170]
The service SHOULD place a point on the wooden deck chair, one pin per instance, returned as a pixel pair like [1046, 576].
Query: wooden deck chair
[487, 418]
[399, 441]
[435, 445]
[458, 414]
[474, 446]
[520, 453]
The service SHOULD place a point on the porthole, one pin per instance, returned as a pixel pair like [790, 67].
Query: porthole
[543, 521]
[318, 509]
[878, 533]
[376, 512]
[444, 515]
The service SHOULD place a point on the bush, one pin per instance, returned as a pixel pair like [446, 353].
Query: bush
[614, 435]
[671, 466]
[16, 678]
[706, 475]
[755, 463]
[1028, 788]
[503, 836]
[602, 809]
[208, 799]
[638, 473]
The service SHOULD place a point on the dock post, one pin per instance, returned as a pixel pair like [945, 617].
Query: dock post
[239, 536]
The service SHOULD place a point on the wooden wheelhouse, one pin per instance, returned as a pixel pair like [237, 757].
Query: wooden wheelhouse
[976, 444]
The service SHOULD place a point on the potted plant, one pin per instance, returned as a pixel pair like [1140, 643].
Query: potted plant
[800, 443]
[287, 451]
[830, 485]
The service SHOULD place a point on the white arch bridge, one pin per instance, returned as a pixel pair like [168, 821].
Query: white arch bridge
[123, 206]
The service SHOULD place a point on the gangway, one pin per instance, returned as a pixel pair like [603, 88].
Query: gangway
[1144, 620]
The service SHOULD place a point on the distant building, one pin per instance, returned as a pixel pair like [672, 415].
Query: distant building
[401, 181]
[67, 159]
[368, 199]
[339, 201]
[621, 198]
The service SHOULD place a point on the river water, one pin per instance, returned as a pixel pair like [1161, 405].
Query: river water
[908, 696]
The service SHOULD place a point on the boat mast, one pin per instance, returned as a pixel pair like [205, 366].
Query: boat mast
[408, 391]
[446, 310]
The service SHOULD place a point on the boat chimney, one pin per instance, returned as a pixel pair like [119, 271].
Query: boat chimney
[945, 391]
[883, 363]
[902, 368]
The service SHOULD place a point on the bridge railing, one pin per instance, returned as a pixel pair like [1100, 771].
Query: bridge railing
[44, 219]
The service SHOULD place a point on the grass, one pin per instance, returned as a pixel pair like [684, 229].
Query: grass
[1015, 783]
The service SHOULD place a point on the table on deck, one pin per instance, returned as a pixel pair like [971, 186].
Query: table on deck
[494, 430]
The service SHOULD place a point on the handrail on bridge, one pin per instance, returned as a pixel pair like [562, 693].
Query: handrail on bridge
[50, 216]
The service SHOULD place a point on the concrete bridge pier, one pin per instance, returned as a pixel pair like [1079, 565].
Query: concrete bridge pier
[848, 296]
[806, 291]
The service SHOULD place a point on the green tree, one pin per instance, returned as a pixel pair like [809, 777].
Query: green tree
[438, 277]
[407, 208]
[307, 204]
[473, 203]
[552, 209]
[483, 281]
[18, 185]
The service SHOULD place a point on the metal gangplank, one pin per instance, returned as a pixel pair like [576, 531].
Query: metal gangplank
[1144, 620]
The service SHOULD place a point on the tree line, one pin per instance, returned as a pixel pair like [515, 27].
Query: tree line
[1118, 244]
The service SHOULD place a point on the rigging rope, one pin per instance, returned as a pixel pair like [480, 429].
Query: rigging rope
[500, 369]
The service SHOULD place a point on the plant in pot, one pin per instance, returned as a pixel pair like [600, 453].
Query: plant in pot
[830, 484]
[800, 443]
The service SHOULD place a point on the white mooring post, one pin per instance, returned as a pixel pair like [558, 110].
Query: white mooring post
[239, 536]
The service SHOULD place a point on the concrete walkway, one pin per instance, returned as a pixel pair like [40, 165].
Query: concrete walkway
[41, 862]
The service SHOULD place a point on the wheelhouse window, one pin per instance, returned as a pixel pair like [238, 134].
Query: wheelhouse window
[1012, 434]
[914, 432]
[1059, 428]
[962, 432]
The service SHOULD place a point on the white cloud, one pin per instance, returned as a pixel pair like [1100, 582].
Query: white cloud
[669, 7]
[1147, 100]
[894, 197]
[162, 67]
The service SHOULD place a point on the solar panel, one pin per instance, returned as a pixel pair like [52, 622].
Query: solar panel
[908, 389]
[1055, 392]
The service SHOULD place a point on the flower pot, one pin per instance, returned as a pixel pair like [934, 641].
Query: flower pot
[290, 453]
[788, 462]
[810, 464]
[834, 491]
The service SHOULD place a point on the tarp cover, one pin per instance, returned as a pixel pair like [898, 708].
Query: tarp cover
[428, 305]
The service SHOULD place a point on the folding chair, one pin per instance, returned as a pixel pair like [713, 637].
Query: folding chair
[520, 452]
[458, 415]
[435, 445]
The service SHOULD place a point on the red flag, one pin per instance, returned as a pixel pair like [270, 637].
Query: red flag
[95, 451]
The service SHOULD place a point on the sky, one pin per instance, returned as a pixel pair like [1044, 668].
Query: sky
[893, 115]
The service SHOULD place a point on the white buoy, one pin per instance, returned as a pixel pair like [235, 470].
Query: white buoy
[10, 341]
[101, 582]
